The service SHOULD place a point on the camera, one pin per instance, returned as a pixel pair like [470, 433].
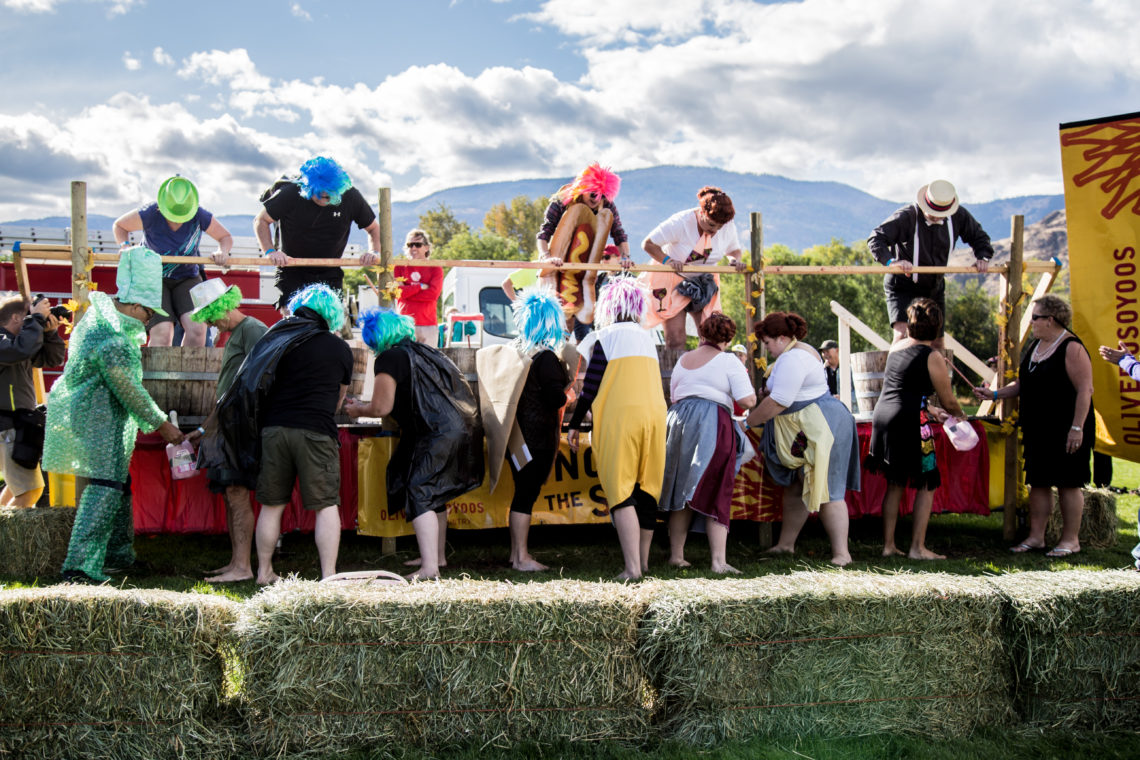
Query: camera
[59, 311]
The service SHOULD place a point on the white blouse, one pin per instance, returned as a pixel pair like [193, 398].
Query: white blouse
[797, 375]
[679, 235]
[722, 379]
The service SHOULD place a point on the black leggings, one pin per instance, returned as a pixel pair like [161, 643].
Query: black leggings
[644, 504]
[530, 479]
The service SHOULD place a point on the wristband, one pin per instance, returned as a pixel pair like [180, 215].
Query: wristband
[1074, 427]
[995, 395]
[270, 250]
[889, 262]
[665, 260]
[201, 430]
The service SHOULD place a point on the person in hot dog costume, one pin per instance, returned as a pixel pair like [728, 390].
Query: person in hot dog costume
[580, 218]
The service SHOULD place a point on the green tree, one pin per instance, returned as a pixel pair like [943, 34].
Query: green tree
[481, 245]
[970, 318]
[441, 225]
[810, 296]
[520, 220]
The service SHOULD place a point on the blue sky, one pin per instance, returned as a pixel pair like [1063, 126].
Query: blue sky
[421, 96]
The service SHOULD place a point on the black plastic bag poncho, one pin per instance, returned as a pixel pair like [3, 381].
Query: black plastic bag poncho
[442, 456]
[233, 433]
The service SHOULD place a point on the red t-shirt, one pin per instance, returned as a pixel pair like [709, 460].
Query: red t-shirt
[419, 293]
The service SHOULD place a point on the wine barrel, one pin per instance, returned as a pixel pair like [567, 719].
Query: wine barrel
[182, 379]
[867, 373]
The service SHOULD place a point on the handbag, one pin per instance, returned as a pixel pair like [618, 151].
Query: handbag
[28, 441]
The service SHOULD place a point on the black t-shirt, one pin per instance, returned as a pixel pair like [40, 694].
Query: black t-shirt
[307, 384]
[543, 396]
[395, 363]
[309, 231]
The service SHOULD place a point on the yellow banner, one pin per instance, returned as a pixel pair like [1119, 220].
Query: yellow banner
[571, 495]
[1101, 163]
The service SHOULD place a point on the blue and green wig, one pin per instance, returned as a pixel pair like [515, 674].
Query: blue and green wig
[322, 175]
[539, 319]
[383, 328]
[323, 300]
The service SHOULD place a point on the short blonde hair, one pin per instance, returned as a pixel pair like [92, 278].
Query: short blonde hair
[420, 234]
[1056, 307]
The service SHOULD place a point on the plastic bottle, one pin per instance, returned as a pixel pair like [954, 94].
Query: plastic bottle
[181, 456]
[961, 433]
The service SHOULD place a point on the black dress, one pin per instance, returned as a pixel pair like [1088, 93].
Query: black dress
[902, 447]
[1048, 400]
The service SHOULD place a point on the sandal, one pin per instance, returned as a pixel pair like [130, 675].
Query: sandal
[1023, 547]
[1058, 551]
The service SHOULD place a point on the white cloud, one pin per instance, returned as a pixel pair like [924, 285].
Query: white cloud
[131, 63]
[300, 12]
[232, 67]
[162, 58]
[115, 7]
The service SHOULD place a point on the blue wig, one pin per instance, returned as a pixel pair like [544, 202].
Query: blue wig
[322, 175]
[383, 328]
[323, 300]
[539, 319]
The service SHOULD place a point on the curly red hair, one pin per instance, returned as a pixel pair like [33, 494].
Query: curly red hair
[717, 328]
[782, 323]
[716, 204]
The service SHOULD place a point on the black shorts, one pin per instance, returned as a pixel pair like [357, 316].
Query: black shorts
[176, 299]
[901, 291]
[218, 479]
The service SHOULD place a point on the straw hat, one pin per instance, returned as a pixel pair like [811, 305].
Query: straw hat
[139, 278]
[938, 198]
[178, 199]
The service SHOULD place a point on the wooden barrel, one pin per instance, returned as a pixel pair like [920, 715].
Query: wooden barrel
[182, 379]
[361, 370]
[867, 373]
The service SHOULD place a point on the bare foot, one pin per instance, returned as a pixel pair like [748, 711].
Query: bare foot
[777, 549]
[680, 563]
[628, 576]
[420, 575]
[232, 576]
[418, 561]
[529, 565]
[221, 570]
[725, 569]
[268, 580]
[892, 551]
[924, 553]
[841, 560]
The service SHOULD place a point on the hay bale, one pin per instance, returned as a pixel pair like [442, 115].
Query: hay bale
[1075, 641]
[827, 654]
[329, 670]
[100, 672]
[34, 540]
[1098, 520]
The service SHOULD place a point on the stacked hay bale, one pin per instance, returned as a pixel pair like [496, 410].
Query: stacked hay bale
[332, 669]
[1098, 520]
[827, 654]
[99, 672]
[1075, 642]
[34, 541]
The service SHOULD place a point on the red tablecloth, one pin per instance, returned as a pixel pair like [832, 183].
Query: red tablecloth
[164, 505]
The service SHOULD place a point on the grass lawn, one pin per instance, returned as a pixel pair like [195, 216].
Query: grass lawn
[974, 546]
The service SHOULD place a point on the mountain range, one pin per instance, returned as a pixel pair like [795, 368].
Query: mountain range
[795, 213]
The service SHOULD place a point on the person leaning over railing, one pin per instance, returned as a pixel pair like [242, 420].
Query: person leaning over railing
[173, 226]
[1131, 367]
[1054, 383]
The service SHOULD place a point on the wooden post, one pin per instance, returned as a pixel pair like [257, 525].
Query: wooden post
[1012, 348]
[757, 303]
[384, 216]
[80, 251]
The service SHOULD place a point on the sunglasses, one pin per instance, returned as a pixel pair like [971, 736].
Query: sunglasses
[1036, 317]
[415, 245]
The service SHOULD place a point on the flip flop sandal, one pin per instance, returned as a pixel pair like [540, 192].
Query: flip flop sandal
[1057, 552]
[1023, 547]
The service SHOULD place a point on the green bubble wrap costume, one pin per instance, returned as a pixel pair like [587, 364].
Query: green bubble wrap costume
[95, 411]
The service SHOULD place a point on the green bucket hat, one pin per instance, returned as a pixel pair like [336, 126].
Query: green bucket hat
[178, 199]
[139, 278]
